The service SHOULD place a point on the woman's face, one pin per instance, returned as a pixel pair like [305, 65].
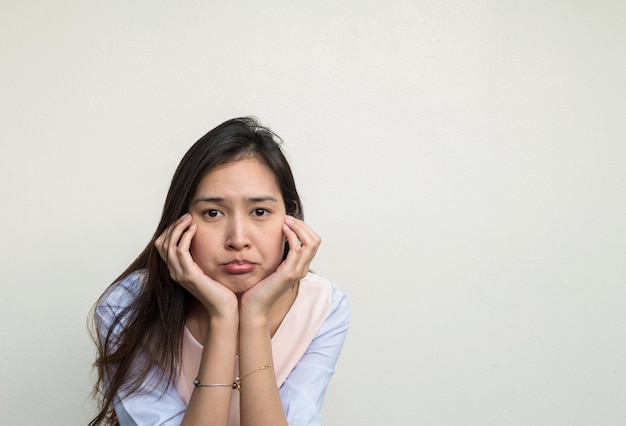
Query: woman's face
[239, 211]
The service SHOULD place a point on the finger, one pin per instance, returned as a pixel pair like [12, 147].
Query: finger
[183, 253]
[167, 242]
[303, 243]
[306, 235]
[300, 227]
[175, 231]
[171, 233]
[291, 235]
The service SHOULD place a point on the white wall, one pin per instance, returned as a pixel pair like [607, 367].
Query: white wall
[463, 161]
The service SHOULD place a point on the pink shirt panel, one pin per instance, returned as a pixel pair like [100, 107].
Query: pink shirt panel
[310, 309]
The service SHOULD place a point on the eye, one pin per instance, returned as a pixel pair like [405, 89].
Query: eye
[260, 212]
[212, 213]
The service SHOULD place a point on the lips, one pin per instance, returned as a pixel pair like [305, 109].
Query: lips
[238, 267]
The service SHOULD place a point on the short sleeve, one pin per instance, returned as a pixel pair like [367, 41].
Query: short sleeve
[303, 391]
[160, 405]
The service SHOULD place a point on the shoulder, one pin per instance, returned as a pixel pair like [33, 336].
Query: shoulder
[115, 303]
[123, 292]
[321, 285]
[327, 292]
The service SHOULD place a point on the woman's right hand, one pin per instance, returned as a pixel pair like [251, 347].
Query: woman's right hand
[173, 247]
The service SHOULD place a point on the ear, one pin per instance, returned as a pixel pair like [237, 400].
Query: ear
[295, 210]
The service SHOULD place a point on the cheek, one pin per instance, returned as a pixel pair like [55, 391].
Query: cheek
[201, 247]
[275, 243]
[194, 247]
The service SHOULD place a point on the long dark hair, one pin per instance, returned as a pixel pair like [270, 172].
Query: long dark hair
[154, 322]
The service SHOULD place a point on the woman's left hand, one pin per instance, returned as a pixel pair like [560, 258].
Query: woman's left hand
[303, 244]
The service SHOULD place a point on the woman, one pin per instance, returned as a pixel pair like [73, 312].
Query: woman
[219, 321]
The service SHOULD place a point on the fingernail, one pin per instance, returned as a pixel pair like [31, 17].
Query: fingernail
[185, 216]
[290, 219]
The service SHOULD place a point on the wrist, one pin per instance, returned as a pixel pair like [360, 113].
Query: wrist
[226, 310]
[252, 317]
[223, 321]
[222, 331]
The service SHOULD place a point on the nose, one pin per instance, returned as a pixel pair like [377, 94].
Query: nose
[237, 237]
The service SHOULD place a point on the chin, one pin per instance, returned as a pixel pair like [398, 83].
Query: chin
[239, 284]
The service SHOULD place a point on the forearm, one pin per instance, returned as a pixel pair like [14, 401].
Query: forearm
[260, 403]
[211, 405]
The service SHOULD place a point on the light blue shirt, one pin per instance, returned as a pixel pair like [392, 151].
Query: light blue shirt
[302, 393]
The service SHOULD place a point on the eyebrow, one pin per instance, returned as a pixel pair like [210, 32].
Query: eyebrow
[258, 199]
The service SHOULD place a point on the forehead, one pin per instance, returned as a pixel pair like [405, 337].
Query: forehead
[241, 178]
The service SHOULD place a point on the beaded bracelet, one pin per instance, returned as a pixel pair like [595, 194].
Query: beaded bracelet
[197, 384]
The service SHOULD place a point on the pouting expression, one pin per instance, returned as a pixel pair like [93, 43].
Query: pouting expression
[239, 211]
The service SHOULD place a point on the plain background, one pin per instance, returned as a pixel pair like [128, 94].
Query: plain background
[464, 162]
